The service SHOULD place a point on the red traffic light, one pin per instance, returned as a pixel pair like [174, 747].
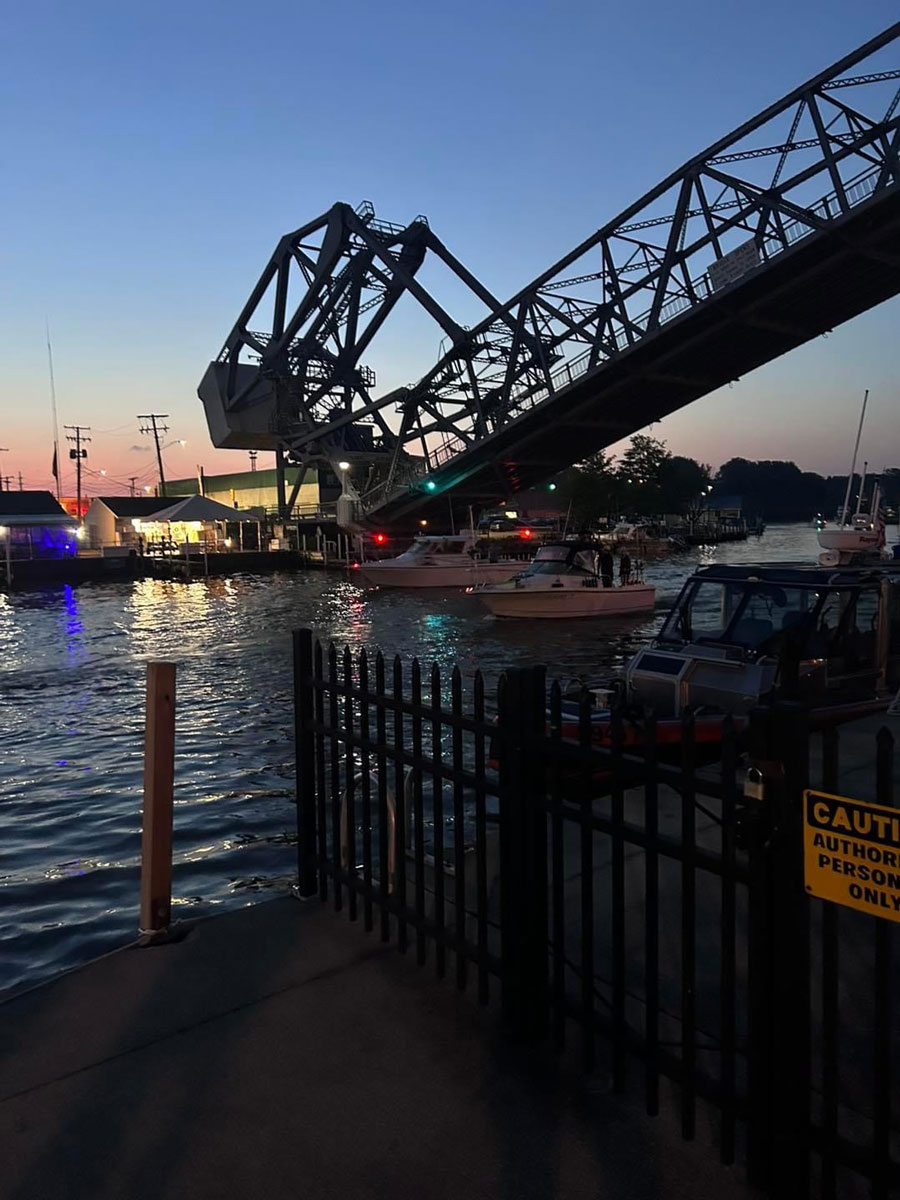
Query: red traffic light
[380, 539]
[526, 533]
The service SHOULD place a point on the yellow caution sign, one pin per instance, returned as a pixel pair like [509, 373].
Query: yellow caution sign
[851, 852]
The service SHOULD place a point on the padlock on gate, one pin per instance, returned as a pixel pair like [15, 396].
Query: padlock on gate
[754, 784]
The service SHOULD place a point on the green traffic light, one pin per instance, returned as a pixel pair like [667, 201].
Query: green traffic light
[551, 487]
[431, 485]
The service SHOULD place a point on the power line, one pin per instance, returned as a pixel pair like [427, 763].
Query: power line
[156, 430]
[78, 437]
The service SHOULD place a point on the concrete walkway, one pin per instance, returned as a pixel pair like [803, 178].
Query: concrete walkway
[281, 1052]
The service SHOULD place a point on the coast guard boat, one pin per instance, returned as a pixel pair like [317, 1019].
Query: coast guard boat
[739, 636]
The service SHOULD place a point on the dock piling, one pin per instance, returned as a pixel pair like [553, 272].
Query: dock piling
[159, 781]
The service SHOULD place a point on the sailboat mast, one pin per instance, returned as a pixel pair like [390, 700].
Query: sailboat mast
[862, 417]
[862, 488]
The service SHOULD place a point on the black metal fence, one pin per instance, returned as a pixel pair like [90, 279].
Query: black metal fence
[651, 907]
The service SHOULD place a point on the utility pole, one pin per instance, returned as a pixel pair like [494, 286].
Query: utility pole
[78, 437]
[132, 480]
[3, 450]
[21, 488]
[6, 483]
[156, 430]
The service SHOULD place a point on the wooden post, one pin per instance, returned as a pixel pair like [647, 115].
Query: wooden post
[159, 779]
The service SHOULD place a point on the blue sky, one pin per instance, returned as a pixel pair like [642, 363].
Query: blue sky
[155, 155]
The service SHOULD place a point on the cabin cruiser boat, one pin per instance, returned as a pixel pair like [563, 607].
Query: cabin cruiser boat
[440, 562]
[740, 636]
[564, 580]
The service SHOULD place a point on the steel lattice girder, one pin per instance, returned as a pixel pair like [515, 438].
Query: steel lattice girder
[646, 301]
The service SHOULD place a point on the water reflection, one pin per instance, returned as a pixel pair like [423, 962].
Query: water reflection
[74, 627]
[71, 729]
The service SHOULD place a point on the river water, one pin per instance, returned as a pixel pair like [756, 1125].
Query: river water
[72, 672]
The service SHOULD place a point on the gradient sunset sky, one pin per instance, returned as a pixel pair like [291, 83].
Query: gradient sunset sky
[154, 155]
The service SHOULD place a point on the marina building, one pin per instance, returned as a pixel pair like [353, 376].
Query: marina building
[35, 525]
[259, 489]
[114, 520]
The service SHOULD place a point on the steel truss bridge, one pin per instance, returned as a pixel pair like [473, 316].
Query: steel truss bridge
[774, 235]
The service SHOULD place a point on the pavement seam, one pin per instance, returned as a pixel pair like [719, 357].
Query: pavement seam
[327, 973]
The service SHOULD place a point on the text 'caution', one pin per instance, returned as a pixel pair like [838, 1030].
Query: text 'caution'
[851, 852]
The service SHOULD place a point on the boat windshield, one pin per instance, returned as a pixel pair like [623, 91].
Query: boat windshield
[552, 560]
[746, 614]
[436, 545]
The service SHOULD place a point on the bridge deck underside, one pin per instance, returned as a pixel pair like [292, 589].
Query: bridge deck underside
[824, 280]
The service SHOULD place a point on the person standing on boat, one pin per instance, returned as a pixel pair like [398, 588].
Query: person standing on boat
[624, 568]
[607, 567]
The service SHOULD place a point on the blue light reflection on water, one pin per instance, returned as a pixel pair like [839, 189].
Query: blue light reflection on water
[71, 728]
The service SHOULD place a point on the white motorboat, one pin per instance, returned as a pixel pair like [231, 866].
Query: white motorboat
[564, 580]
[440, 562]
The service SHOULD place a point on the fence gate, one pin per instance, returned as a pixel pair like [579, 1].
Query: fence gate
[634, 894]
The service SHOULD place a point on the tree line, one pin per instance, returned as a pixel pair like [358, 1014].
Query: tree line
[648, 480]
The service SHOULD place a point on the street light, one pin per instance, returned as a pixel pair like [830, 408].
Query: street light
[343, 466]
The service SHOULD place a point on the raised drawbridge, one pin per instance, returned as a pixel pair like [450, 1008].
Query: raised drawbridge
[774, 235]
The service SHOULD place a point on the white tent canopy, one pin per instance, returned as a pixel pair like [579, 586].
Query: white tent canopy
[200, 508]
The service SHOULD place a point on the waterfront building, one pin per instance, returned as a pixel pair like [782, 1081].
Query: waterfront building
[115, 520]
[70, 504]
[204, 522]
[259, 489]
[723, 515]
[35, 525]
